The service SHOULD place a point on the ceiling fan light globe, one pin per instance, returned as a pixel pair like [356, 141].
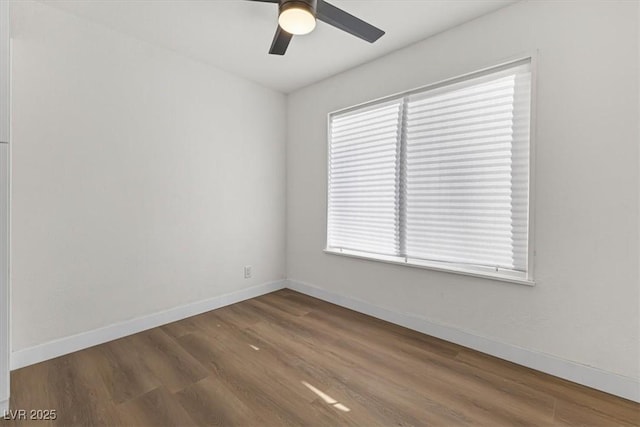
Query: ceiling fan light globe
[297, 20]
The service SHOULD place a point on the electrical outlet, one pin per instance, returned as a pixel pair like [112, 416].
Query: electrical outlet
[247, 272]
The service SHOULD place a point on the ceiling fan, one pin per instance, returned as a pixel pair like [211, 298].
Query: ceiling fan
[297, 17]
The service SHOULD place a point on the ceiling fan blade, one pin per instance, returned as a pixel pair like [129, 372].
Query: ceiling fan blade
[280, 42]
[346, 22]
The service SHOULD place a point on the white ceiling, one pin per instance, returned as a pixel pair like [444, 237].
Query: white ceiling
[235, 35]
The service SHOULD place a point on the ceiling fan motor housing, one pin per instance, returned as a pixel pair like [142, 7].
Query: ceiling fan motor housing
[310, 5]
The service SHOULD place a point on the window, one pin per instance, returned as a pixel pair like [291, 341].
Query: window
[437, 177]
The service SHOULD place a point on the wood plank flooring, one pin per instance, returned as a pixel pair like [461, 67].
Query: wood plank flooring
[289, 359]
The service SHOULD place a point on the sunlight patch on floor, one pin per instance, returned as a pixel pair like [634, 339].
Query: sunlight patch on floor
[328, 399]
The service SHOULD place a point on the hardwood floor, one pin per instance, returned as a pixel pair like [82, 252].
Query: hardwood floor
[289, 359]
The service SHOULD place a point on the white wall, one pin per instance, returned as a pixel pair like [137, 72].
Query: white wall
[585, 306]
[141, 180]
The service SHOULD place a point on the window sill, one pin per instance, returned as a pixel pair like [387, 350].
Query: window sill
[436, 266]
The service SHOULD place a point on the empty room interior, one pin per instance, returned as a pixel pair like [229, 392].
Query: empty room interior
[319, 213]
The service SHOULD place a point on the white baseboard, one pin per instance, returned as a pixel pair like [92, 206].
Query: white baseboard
[628, 388]
[60, 347]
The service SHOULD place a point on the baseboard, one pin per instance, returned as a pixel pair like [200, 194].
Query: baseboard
[608, 382]
[4, 407]
[60, 347]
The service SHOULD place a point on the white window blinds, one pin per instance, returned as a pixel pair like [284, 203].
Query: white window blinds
[467, 171]
[438, 176]
[363, 154]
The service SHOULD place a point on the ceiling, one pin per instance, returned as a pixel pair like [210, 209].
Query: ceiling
[235, 35]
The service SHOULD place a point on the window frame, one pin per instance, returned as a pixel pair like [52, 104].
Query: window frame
[463, 269]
